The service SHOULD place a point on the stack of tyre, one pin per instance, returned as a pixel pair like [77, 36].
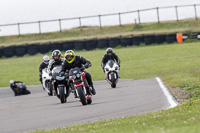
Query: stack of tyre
[89, 44]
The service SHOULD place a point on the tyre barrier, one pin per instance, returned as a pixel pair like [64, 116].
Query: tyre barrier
[68, 45]
[79, 45]
[185, 36]
[113, 42]
[198, 36]
[33, 49]
[44, 48]
[171, 38]
[90, 44]
[149, 39]
[137, 40]
[159, 39]
[102, 43]
[20, 50]
[1, 52]
[126, 41]
[9, 51]
[57, 45]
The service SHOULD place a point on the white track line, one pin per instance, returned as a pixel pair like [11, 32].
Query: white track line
[172, 102]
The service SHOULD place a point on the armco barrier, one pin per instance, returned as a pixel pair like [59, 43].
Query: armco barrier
[9, 51]
[20, 50]
[90, 44]
[149, 39]
[79, 45]
[102, 43]
[137, 40]
[68, 45]
[113, 42]
[171, 38]
[33, 49]
[57, 45]
[159, 39]
[44, 48]
[126, 41]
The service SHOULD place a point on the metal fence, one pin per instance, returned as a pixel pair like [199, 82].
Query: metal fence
[138, 16]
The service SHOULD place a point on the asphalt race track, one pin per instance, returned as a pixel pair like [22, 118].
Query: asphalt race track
[39, 111]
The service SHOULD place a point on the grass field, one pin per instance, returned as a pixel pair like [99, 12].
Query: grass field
[185, 26]
[177, 64]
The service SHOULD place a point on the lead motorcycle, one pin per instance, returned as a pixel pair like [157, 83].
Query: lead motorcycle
[46, 82]
[79, 85]
[60, 84]
[112, 73]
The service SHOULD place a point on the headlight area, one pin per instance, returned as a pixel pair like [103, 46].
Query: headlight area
[60, 77]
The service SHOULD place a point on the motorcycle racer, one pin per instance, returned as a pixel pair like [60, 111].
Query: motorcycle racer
[73, 61]
[55, 61]
[43, 65]
[110, 55]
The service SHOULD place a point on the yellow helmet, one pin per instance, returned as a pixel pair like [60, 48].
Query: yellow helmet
[70, 56]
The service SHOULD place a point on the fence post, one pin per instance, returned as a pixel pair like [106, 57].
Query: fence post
[100, 21]
[135, 22]
[60, 25]
[139, 16]
[18, 28]
[195, 11]
[176, 13]
[80, 24]
[158, 15]
[39, 27]
[120, 19]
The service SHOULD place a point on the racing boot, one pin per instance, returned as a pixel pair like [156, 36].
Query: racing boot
[93, 91]
[88, 90]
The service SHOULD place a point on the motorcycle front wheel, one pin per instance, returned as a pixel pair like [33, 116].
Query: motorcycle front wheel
[62, 95]
[81, 95]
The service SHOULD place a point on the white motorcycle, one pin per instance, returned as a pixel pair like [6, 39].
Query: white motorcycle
[112, 73]
[46, 82]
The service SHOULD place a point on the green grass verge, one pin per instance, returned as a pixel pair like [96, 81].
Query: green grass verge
[107, 31]
[182, 119]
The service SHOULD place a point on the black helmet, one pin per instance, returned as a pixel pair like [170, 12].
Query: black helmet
[56, 55]
[109, 50]
[21, 86]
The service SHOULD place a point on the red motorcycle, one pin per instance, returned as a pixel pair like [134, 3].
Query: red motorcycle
[79, 85]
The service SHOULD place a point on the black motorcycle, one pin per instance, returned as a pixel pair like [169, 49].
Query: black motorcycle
[19, 88]
[60, 84]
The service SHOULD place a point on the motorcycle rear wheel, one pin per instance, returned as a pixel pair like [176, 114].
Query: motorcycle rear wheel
[89, 101]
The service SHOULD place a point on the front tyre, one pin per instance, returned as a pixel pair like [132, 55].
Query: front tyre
[50, 89]
[113, 85]
[81, 95]
[62, 95]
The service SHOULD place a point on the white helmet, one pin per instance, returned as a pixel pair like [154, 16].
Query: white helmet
[46, 59]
